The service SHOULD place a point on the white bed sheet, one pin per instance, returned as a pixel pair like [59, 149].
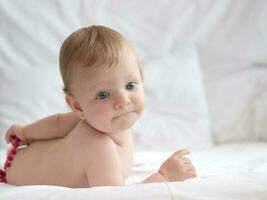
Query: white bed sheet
[233, 171]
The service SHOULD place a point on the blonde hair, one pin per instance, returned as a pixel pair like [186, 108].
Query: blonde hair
[90, 46]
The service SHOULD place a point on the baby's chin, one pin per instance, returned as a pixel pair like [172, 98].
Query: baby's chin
[118, 124]
[124, 122]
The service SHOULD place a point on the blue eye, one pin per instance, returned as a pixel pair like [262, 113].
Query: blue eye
[131, 86]
[102, 95]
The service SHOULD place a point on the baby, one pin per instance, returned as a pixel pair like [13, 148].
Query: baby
[92, 145]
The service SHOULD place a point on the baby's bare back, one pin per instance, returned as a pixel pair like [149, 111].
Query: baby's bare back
[61, 161]
[50, 162]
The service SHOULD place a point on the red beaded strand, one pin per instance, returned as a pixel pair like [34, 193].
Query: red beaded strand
[10, 155]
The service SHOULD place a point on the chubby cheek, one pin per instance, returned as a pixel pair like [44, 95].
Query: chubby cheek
[100, 117]
[140, 102]
[103, 113]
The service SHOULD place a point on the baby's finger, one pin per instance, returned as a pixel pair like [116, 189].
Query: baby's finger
[191, 175]
[190, 168]
[9, 132]
[8, 135]
[181, 153]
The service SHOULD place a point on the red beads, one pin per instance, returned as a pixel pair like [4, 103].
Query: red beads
[15, 144]
[13, 151]
[2, 176]
[9, 157]
[7, 164]
[2, 173]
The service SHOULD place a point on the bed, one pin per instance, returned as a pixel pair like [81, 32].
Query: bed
[209, 58]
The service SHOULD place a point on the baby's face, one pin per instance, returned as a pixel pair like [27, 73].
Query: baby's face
[111, 98]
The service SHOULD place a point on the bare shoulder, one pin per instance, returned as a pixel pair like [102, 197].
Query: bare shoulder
[100, 146]
[89, 143]
[100, 158]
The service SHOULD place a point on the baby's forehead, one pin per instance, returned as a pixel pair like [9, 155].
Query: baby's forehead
[127, 62]
[108, 75]
[125, 65]
[101, 74]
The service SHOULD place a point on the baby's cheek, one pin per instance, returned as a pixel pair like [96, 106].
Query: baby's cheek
[98, 118]
[102, 114]
[140, 102]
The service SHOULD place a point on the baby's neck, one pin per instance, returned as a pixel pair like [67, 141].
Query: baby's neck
[120, 138]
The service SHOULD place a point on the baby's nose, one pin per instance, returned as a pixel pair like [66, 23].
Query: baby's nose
[122, 100]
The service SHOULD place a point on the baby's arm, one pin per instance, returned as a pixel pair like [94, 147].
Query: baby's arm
[54, 126]
[103, 169]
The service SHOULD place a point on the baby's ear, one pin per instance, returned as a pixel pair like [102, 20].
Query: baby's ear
[75, 106]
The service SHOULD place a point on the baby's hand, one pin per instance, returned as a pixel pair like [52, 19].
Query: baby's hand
[177, 168]
[16, 130]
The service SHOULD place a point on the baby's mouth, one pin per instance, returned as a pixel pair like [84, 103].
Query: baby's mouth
[121, 115]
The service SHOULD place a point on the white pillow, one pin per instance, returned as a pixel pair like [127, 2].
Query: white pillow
[240, 114]
[28, 94]
[233, 55]
[176, 113]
